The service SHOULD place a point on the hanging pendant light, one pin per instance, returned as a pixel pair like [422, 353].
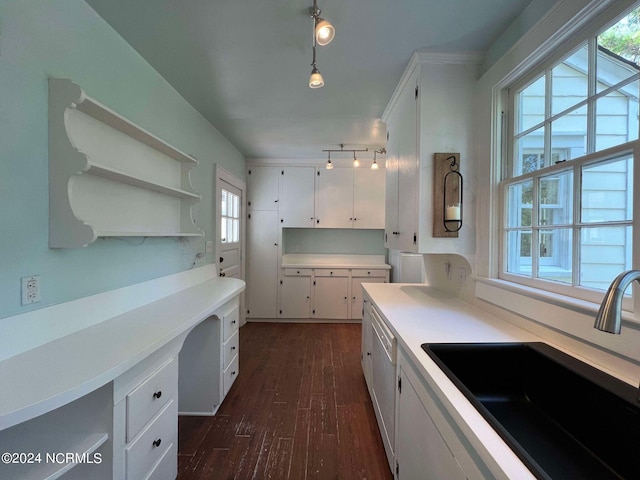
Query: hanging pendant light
[329, 165]
[374, 165]
[356, 162]
[316, 80]
[324, 31]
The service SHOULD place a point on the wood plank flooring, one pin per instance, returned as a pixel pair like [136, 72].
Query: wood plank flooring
[299, 409]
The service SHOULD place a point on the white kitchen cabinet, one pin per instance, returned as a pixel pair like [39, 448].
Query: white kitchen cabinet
[262, 264]
[368, 198]
[330, 294]
[401, 228]
[430, 112]
[295, 293]
[424, 438]
[358, 277]
[297, 200]
[334, 198]
[206, 373]
[263, 188]
[366, 345]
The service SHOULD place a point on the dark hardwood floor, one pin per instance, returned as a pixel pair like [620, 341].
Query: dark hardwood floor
[299, 409]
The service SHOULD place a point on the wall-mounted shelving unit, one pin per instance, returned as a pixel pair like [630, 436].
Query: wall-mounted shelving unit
[111, 178]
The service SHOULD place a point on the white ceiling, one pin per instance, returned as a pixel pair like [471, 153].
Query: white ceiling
[245, 64]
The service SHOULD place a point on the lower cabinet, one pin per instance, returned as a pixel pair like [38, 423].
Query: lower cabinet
[330, 294]
[366, 345]
[427, 445]
[325, 293]
[295, 293]
[146, 420]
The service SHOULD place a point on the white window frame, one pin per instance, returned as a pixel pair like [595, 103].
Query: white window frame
[575, 165]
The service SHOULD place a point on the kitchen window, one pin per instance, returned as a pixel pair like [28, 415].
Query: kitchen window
[567, 192]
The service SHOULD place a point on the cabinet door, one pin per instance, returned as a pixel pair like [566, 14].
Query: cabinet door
[408, 172]
[295, 297]
[262, 188]
[356, 302]
[366, 345]
[391, 190]
[262, 264]
[368, 198]
[334, 205]
[331, 297]
[421, 452]
[297, 200]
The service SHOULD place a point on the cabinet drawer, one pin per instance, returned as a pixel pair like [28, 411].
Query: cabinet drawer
[230, 323]
[154, 441]
[230, 349]
[167, 467]
[230, 375]
[150, 396]
[338, 272]
[369, 273]
[298, 272]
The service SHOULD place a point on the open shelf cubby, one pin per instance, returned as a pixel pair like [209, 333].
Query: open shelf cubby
[111, 178]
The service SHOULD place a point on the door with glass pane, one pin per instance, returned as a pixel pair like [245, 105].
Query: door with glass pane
[230, 234]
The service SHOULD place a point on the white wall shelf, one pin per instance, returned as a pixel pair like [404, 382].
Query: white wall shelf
[111, 178]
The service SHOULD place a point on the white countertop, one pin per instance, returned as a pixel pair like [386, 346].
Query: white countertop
[50, 375]
[295, 260]
[420, 314]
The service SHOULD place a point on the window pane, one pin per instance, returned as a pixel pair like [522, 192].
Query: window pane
[519, 252]
[556, 199]
[569, 136]
[531, 105]
[236, 206]
[605, 252]
[556, 255]
[530, 153]
[223, 203]
[617, 117]
[236, 231]
[618, 51]
[607, 191]
[569, 81]
[520, 204]
[223, 229]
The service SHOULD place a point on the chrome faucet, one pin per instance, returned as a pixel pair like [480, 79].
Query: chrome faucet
[609, 318]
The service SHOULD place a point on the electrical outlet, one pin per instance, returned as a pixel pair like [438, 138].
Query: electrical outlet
[208, 246]
[30, 289]
[462, 275]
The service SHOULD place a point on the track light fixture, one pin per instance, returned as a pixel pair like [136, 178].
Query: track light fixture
[374, 165]
[323, 33]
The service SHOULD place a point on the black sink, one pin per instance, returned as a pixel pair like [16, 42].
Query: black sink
[562, 417]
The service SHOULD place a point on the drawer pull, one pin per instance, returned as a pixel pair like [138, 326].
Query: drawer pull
[233, 373]
[233, 322]
[156, 443]
[157, 394]
[233, 348]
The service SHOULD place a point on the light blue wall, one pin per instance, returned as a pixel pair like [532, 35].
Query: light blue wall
[67, 39]
[333, 240]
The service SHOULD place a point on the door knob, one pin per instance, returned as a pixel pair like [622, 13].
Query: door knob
[221, 259]
[222, 274]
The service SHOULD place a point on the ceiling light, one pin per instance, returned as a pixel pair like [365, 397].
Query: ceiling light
[356, 162]
[315, 80]
[374, 165]
[324, 31]
[329, 164]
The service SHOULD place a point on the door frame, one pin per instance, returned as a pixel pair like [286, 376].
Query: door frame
[222, 175]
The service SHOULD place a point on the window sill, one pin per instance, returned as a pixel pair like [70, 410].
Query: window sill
[561, 312]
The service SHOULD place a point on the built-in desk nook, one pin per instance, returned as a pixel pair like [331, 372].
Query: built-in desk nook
[92, 388]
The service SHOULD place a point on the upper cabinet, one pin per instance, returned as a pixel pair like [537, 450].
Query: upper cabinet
[110, 178]
[262, 188]
[297, 207]
[429, 112]
[350, 198]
